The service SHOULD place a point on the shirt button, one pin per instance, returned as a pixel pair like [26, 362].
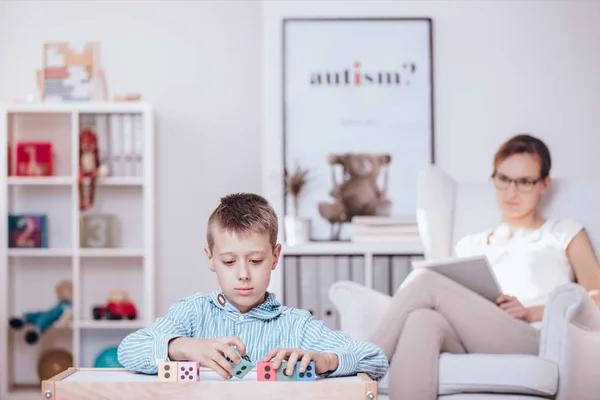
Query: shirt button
[241, 318]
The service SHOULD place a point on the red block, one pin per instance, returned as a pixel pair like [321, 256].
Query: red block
[265, 371]
[34, 159]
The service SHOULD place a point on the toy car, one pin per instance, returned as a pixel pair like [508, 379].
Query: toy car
[119, 306]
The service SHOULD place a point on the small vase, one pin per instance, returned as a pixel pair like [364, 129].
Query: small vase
[297, 230]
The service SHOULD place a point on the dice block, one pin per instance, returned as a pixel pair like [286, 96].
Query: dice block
[243, 367]
[265, 371]
[309, 373]
[167, 371]
[97, 230]
[281, 376]
[34, 159]
[188, 371]
[27, 230]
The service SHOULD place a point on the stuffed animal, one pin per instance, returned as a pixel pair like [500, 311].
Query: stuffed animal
[39, 322]
[359, 192]
[89, 168]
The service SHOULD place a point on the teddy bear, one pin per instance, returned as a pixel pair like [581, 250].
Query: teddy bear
[359, 192]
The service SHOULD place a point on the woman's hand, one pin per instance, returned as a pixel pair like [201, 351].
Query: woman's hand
[511, 305]
[324, 362]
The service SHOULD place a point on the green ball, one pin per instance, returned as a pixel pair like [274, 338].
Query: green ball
[108, 359]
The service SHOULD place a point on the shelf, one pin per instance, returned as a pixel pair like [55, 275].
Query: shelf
[24, 392]
[121, 181]
[410, 246]
[109, 324]
[98, 107]
[40, 181]
[28, 276]
[113, 252]
[39, 252]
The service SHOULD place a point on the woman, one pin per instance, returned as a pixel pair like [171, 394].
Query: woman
[530, 256]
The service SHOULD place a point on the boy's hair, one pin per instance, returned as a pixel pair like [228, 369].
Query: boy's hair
[524, 143]
[243, 212]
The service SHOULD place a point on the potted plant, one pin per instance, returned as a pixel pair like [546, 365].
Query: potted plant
[297, 230]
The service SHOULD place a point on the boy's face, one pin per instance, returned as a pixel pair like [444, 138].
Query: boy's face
[243, 264]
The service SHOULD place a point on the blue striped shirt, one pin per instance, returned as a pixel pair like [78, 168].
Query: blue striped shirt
[268, 325]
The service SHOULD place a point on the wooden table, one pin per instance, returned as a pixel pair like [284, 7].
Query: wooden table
[120, 384]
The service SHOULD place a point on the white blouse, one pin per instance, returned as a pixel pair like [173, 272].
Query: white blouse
[530, 264]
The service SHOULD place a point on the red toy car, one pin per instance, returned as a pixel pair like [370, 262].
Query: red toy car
[119, 306]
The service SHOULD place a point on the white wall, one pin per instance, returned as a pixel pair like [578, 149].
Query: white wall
[199, 64]
[500, 67]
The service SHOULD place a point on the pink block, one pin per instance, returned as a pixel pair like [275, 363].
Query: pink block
[188, 371]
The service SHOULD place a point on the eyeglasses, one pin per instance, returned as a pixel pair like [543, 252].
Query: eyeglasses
[523, 185]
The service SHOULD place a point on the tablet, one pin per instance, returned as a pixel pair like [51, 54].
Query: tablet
[474, 273]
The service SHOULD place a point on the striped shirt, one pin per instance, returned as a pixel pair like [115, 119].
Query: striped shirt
[268, 325]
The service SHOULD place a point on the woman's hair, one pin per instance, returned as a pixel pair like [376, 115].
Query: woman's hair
[528, 144]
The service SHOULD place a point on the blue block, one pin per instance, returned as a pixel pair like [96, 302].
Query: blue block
[309, 374]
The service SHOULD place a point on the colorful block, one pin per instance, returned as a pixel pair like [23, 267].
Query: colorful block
[188, 371]
[265, 371]
[309, 373]
[97, 230]
[27, 230]
[34, 159]
[281, 376]
[243, 367]
[167, 371]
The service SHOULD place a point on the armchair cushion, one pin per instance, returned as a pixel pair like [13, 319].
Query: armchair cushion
[497, 373]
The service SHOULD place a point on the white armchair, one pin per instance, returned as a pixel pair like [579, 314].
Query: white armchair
[568, 362]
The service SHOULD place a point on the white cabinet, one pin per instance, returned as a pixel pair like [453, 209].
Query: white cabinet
[107, 247]
[306, 272]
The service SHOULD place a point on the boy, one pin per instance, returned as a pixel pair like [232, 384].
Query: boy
[242, 251]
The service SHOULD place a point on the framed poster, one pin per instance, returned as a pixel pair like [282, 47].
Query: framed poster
[357, 86]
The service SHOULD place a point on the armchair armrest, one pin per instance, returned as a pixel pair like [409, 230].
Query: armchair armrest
[570, 338]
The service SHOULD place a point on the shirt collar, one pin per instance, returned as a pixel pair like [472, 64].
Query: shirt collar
[269, 309]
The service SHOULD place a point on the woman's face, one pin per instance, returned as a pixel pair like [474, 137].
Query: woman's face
[518, 184]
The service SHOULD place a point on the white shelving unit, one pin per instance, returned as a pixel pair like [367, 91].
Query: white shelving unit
[28, 275]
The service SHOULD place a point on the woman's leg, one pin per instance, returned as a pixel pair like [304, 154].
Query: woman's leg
[414, 372]
[480, 325]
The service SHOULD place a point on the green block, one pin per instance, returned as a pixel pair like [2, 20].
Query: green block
[243, 367]
[281, 376]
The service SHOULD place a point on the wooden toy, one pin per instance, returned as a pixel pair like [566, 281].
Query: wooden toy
[188, 371]
[121, 384]
[308, 375]
[281, 376]
[34, 159]
[243, 367]
[27, 230]
[265, 371]
[97, 230]
[167, 371]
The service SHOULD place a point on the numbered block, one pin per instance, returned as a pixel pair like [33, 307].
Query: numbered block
[27, 230]
[243, 367]
[281, 374]
[188, 371]
[265, 371]
[34, 159]
[308, 375]
[98, 231]
[167, 371]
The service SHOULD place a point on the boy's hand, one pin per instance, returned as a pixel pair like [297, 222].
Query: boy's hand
[324, 362]
[209, 353]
